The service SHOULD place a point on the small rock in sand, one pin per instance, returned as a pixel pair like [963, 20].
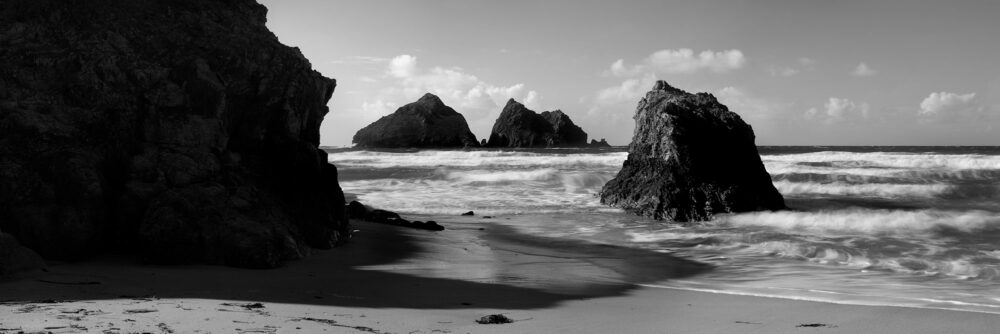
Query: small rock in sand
[470, 213]
[494, 319]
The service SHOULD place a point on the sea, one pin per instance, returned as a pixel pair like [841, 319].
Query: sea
[900, 226]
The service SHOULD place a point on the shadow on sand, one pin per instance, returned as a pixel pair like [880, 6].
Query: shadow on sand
[525, 272]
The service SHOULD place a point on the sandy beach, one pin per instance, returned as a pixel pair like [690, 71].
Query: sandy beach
[396, 280]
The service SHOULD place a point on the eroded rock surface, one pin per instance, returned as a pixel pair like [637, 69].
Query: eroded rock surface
[519, 126]
[181, 130]
[690, 158]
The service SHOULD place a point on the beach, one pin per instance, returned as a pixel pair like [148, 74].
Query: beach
[397, 280]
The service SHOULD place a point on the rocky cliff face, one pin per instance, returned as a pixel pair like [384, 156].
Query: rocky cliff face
[690, 158]
[519, 126]
[178, 129]
[428, 122]
[565, 132]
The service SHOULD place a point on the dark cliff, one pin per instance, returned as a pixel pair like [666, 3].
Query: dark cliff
[519, 126]
[428, 122]
[181, 130]
[690, 158]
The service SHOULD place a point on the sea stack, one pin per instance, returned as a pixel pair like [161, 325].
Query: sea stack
[519, 126]
[173, 131]
[428, 122]
[690, 158]
[565, 132]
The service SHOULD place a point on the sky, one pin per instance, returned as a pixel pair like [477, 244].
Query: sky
[801, 72]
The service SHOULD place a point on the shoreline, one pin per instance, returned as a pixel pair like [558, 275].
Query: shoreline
[397, 280]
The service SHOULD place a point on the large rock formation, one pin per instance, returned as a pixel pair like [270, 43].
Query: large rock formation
[519, 126]
[690, 158]
[566, 133]
[425, 123]
[181, 130]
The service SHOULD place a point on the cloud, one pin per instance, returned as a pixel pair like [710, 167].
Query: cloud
[839, 110]
[402, 66]
[475, 98]
[945, 106]
[862, 70]
[629, 91]
[682, 61]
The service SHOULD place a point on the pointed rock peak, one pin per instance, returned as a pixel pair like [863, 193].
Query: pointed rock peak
[430, 98]
[512, 103]
[664, 86]
[661, 85]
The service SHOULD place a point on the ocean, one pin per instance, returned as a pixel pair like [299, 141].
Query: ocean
[901, 226]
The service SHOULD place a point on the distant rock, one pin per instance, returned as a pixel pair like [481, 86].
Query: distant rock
[602, 143]
[470, 213]
[428, 122]
[519, 126]
[690, 158]
[483, 143]
[566, 133]
[176, 131]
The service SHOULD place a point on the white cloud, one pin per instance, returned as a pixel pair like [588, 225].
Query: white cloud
[372, 111]
[479, 101]
[682, 61]
[839, 110]
[685, 60]
[945, 106]
[862, 70]
[629, 91]
[402, 66]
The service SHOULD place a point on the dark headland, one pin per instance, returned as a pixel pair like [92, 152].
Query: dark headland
[179, 131]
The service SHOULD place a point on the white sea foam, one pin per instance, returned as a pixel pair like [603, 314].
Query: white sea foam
[372, 159]
[487, 176]
[894, 160]
[867, 220]
[489, 192]
[882, 190]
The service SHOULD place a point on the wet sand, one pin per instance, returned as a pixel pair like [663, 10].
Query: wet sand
[397, 280]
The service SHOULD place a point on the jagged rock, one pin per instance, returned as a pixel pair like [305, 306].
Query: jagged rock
[425, 123]
[566, 133]
[15, 258]
[483, 143]
[519, 126]
[356, 210]
[602, 143]
[179, 130]
[690, 158]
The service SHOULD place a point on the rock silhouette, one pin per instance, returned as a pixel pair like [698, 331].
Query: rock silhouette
[519, 126]
[181, 130]
[690, 158]
[428, 122]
